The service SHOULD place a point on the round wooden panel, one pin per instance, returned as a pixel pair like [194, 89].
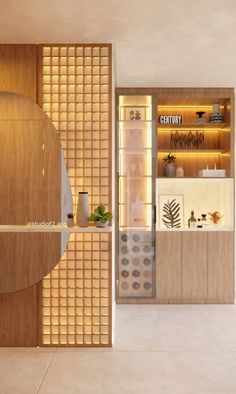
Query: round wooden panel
[30, 191]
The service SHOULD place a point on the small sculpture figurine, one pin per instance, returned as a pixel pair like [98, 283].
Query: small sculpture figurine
[215, 217]
[200, 119]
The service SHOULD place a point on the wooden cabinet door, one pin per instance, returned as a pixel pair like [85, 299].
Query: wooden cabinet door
[168, 266]
[194, 267]
[221, 267]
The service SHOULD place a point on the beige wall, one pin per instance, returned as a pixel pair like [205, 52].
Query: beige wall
[156, 42]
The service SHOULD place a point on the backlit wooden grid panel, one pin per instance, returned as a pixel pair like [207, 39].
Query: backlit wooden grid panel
[76, 294]
[76, 95]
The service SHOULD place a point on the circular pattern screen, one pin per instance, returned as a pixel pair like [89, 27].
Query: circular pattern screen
[136, 257]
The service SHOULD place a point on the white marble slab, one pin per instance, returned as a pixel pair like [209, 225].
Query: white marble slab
[196, 229]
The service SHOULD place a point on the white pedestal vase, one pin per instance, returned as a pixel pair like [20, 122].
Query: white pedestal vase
[83, 209]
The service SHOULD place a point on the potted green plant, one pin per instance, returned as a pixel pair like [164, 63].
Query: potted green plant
[100, 217]
[169, 165]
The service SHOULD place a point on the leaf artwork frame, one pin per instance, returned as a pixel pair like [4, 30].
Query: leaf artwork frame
[171, 211]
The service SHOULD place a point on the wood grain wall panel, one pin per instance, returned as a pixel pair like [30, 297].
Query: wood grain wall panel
[18, 323]
[168, 268]
[221, 267]
[30, 163]
[172, 96]
[18, 69]
[26, 258]
[29, 192]
[194, 267]
[21, 168]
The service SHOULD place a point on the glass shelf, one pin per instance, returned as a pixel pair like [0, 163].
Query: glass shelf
[135, 151]
[131, 202]
[134, 177]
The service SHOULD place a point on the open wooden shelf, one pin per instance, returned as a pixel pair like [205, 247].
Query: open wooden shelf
[193, 151]
[195, 177]
[190, 265]
[192, 126]
[52, 229]
[135, 177]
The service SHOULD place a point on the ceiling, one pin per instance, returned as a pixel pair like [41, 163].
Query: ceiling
[155, 42]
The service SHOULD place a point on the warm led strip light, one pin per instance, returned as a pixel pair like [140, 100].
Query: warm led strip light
[191, 153]
[163, 129]
[186, 107]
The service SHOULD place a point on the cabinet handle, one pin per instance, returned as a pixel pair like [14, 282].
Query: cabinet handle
[154, 214]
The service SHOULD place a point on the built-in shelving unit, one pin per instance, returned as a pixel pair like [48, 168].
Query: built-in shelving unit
[194, 145]
[192, 265]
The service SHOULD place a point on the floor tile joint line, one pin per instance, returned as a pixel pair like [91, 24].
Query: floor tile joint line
[45, 373]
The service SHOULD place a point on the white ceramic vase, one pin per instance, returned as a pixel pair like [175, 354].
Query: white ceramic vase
[83, 210]
[179, 172]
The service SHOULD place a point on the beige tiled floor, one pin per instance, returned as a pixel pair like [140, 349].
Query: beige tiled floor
[159, 349]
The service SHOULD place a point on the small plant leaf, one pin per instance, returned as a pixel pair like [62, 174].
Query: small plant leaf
[101, 209]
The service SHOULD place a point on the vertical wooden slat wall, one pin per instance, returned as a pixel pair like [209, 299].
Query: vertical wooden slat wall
[75, 92]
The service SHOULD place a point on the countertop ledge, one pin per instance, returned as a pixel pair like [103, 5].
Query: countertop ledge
[52, 229]
[186, 229]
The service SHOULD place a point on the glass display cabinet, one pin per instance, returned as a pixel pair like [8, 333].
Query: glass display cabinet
[135, 203]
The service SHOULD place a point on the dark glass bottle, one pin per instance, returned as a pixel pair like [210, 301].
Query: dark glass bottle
[192, 221]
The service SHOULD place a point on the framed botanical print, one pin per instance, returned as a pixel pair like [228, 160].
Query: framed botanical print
[171, 211]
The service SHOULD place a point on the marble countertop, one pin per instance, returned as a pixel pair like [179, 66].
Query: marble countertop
[210, 228]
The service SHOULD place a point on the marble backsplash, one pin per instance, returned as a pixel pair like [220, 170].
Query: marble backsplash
[201, 196]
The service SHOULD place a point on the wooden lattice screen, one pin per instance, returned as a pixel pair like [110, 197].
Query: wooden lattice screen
[75, 92]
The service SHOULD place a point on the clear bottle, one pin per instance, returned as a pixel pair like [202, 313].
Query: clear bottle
[192, 221]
